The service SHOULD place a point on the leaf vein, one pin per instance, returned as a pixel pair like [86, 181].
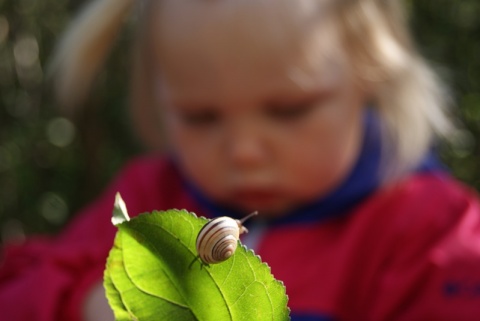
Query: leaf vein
[154, 224]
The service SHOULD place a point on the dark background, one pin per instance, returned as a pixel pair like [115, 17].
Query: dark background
[51, 166]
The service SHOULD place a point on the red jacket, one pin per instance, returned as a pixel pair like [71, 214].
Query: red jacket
[409, 252]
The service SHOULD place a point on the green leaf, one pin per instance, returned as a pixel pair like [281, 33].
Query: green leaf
[153, 273]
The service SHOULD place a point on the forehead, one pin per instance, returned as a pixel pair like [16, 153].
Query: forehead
[244, 45]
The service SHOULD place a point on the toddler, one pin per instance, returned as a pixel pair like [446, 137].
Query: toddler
[318, 114]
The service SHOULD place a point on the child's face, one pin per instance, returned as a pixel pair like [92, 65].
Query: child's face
[261, 110]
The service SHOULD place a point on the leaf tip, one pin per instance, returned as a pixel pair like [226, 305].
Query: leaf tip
[120, 213]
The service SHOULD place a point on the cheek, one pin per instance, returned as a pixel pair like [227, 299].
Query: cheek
[196, 159]
[329, 154]
[321, 171]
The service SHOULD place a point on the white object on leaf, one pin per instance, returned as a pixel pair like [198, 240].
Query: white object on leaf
[120, 213]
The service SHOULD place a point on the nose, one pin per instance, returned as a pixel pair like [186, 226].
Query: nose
[246, 147]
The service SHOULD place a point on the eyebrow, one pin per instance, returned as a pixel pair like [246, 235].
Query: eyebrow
[190, 105]
[303, 98]
[189, 102]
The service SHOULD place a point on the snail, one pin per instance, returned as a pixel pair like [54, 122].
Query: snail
[217, 240]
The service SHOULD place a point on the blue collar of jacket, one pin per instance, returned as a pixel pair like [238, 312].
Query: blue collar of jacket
[362, 181]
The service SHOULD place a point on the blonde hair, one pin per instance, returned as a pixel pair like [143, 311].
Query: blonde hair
[410, 99]
[409, 96]
[84, 47]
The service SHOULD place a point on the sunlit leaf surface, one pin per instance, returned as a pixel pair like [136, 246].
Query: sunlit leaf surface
[153, 274]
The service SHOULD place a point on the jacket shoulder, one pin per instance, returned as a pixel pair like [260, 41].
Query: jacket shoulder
[150, 182]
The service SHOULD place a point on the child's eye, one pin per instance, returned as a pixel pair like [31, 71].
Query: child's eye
[299, 109]
[289, 112]
[199, 118]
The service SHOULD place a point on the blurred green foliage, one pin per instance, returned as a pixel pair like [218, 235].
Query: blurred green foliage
[448, 34]
[51, 166]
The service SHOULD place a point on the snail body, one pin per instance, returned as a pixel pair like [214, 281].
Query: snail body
[218, 239]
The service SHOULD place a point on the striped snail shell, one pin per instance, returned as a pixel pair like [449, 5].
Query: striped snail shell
[217, 240]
